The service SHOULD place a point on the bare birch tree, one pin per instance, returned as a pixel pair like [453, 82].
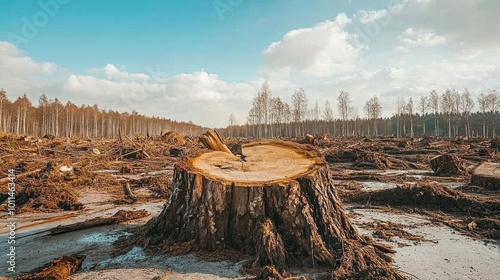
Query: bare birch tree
[434, 106]
[482, 101]
[422, 107]
[299, 110]
[373, 110]
[467, 105]
[344, 104]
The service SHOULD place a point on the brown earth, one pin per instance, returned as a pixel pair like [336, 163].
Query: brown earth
[63, 175]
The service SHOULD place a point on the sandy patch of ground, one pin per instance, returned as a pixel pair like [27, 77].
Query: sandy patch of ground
[449, 255]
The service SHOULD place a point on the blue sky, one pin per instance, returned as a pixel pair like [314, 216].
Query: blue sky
[178, 36]
[161, 54]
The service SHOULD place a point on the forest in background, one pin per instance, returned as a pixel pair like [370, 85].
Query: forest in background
[51, 117]
[447, 114]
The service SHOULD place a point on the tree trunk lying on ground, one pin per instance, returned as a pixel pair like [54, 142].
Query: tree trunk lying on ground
[59, 269]
[279, 206]
[119, 217]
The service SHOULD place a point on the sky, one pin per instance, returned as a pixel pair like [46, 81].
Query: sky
[202, 60]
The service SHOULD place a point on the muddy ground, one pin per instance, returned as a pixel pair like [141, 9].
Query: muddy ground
[440, 225]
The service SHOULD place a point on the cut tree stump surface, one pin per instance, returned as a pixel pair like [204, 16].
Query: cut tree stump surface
[265, 162]
[487, 175]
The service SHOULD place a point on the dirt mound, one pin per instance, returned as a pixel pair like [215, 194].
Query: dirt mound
[454, 208]
[47, 197]
[174, 137]
[428, 196]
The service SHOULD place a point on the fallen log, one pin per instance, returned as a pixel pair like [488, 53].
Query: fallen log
[4, 181]
[58, 269]
[119, 217]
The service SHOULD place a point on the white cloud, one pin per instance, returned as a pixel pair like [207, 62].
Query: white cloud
[366, 17]
[112, 72]
[200, 97]
[15, 64]
[421, 38]
[464, 23]
[319, 51]
[411, 38]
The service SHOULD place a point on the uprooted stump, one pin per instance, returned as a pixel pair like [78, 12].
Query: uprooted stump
[58, 269]
[448, 165]
[279, 206]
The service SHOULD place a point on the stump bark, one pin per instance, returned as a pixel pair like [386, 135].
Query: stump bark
[280, 206]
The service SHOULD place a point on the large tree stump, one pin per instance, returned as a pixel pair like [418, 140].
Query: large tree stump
[448, 165]
[279, 205]
[487, 175]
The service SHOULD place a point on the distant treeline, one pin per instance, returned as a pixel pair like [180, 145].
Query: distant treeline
[449, 114]
[65, 120]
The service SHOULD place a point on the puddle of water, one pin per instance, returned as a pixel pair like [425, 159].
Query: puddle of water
[133, 256]
[101, 238]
